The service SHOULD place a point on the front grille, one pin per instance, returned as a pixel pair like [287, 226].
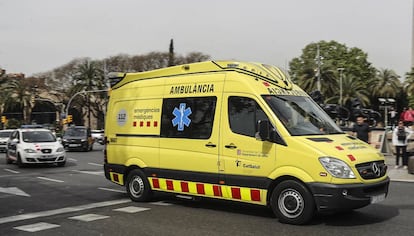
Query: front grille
[47, 159]
[372, 170]
[46, 150]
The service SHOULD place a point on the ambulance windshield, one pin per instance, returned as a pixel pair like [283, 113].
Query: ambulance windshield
[301, 116]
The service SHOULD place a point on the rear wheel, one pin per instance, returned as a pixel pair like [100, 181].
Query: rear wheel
[138, 187]
[292, 202]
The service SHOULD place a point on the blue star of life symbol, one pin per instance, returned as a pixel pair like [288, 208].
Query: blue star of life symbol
[181, 117]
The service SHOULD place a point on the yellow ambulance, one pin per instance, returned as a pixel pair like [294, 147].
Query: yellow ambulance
[235, 131]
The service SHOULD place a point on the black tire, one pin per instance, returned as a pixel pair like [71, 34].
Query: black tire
[61, 164]
[292, 203]
[138, 187]
[8, 160]
[19, 162]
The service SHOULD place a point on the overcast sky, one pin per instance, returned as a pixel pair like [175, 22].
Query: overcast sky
[40, 35]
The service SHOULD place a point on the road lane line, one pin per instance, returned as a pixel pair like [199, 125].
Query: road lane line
[36, 227]
[53, 180]
[12, 171]
[65, 210]
[95, 164]
[88, 217]
[98, 172]
[113, 190]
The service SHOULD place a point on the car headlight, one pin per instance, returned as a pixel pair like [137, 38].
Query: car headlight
[28, 150]
[61, 149]
[337, 168]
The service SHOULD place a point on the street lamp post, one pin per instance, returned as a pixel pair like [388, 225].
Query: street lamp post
[341, 69]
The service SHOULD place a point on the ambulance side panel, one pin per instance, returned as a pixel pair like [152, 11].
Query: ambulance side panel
[133, 129]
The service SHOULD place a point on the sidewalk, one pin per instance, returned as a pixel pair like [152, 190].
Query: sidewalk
[397, 174]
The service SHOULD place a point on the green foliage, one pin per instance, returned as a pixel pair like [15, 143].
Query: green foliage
[303, 70]
[13, 124]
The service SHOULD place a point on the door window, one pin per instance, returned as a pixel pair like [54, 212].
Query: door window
[243, 115]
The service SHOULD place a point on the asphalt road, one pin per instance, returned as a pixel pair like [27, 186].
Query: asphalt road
[78, 200]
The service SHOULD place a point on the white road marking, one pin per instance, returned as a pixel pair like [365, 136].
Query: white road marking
[131, 209]
[71, 159]
[14, 191]
[161, 203]
[88, 217]
[113, 190]
[98, 172]
[53, 180]
[36, 227]
[61, 211]
[12, 171]
[95, 164]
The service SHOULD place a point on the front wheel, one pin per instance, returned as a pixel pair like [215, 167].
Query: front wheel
[138, 187]
[8, 160]
[292, 203]
[19, 161]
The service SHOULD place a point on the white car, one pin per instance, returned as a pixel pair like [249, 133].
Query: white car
[98, 136]
[34, 146]
[4, 136]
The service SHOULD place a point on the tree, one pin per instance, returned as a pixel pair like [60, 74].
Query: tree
[385, 84]
[333, 56]
[20, 92]
[88, 76]
[352, 88]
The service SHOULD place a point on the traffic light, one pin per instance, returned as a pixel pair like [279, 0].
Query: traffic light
[64, 121]
[69, 119]
[3, 119]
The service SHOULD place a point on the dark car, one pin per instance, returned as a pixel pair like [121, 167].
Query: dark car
[77, 138]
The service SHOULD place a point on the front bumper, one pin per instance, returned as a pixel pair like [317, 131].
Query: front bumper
[334, 197]
[37, 159]
[75, 145]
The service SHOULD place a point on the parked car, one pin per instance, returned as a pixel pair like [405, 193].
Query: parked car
[34, 146]
[4, 136]
[98, 136]
[78, 138]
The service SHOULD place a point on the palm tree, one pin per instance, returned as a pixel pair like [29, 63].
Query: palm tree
[351, 88]
[329, 82]
[385, 84]
[21, 95]
[88, 77]
[409, 82]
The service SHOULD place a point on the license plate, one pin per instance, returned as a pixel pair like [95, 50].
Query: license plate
[74, 145]
[378, 198]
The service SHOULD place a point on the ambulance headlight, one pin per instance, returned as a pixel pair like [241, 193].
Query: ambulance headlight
[337, 168]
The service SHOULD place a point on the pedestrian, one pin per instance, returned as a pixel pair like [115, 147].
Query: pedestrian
[402, 114]
[400, 136]
[409, 117]
[361, 129]
[393, 116]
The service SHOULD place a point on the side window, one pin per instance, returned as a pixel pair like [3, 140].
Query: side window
[188, 117]
[15, 135]
[243, 115]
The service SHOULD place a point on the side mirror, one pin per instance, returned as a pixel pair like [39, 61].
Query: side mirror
[263, 127]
